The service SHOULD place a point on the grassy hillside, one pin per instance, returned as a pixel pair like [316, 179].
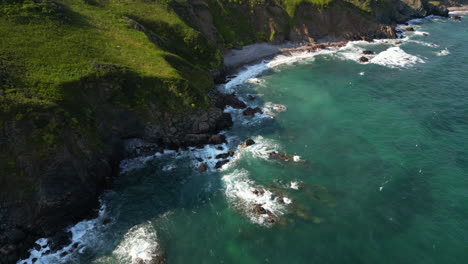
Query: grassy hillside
[50, 44]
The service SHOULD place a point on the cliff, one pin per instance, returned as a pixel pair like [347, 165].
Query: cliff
[78, 77]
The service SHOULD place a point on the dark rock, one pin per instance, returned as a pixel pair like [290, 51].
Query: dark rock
[15, 235]
[258, 209]
[258, 192]
[231, 100]
[425, 34]
[225, 155]
[106, 221]
[220, 148]
[37, 247]
[367, 38]
[33, 260]
[252, 111]
[159, 259]
[363, 59]
[7, 250]
[409, 29]
[398, 43]
[75, 245]
[221, 163]
[457, 18]
[59, 240]
[217, 139]
[199, 159]
[368, 52]
[251, 97]
[247, 142]
[63, 254]
[203, 167]
[225, 121]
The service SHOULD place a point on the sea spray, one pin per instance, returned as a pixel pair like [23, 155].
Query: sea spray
[245, 196]
[139, 245]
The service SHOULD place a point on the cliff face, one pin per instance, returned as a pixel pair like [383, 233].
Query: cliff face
[85, 81]
[229, 24]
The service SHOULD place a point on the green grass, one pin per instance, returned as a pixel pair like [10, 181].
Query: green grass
[57, 46]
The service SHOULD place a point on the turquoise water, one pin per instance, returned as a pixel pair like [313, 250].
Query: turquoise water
[385, 177]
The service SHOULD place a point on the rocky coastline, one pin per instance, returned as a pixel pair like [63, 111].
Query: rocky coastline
[166, 131]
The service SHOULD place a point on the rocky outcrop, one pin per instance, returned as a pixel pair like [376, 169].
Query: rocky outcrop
[48, 184]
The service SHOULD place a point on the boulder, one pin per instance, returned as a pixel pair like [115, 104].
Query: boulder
[368, 52]
[225, 155]
[252, 111]
[217, 139]
[259, 210]
[231, 100]
[457, 18]
[409, 29]
[247, 142]
[363, 59]
[251, 97]
[15, 235]
[221, 163]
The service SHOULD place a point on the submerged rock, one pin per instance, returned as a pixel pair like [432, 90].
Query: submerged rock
[281, 156]
[457, 18]
[203, 167]
[368, 52]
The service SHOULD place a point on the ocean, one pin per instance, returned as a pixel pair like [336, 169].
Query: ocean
[369, 165]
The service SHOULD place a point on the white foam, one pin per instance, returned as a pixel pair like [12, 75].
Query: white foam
[423, 43]
[287, 200]
[421, 33]
[395, 57]
[459, 13]
[240, 192]
[444, 52]
[128, 165]
[261, 149]
[255, 70]
[208, 154]
[83, 235]
[139, 243]
[294, 185]
[169, 167]
[255, 81]
[297, 158]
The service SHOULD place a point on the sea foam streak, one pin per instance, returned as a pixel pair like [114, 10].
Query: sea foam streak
[244, 195]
